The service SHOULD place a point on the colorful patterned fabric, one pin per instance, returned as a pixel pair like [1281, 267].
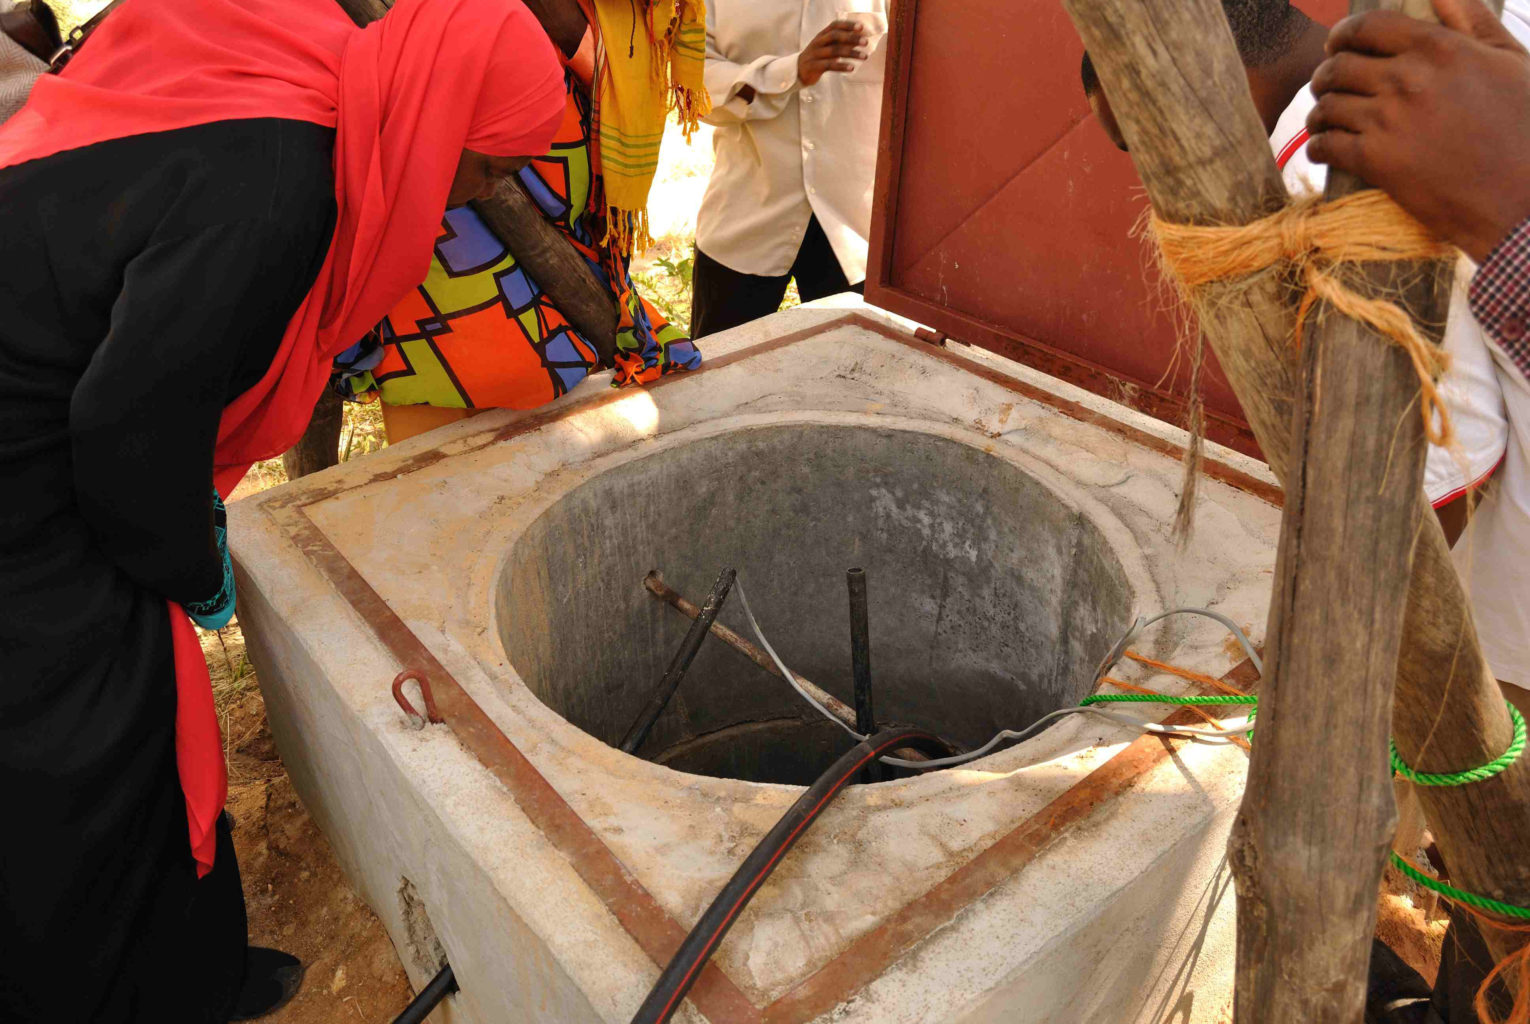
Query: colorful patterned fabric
[480, 333]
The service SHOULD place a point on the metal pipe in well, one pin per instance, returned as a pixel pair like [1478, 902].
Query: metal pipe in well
[670, 682]
[860, 661]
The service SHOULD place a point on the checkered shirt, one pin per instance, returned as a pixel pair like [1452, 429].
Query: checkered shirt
[1500, 296]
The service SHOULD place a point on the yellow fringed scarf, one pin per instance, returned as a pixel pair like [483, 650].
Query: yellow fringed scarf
[653, 54]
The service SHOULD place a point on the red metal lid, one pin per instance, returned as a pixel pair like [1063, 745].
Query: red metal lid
[1004, 216]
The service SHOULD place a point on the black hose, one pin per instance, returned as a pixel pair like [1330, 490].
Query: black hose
[670, 682]
[676, 979]
[441, 986]
[860, 652]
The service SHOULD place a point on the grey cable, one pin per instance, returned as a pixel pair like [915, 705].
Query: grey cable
[1203, 735]
[786, 673]
[1183, 732]
[1119, 650]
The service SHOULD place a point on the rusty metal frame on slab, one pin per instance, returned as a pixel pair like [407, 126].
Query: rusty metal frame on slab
[656, 932]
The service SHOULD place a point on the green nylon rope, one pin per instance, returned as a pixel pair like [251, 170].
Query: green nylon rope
[1153, 698]
[1469, 898]
[1487, 771]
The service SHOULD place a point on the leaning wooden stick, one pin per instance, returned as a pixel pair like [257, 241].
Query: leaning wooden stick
[1318, 814]
[554, 263]
[1204, 159]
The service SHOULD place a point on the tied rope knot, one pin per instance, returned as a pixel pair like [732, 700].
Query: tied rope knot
[1321, 242]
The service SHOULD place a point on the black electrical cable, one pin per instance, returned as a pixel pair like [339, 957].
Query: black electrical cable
[860, 652]
[676, 979]
[441, 986]
[670, 682]
[860, 663]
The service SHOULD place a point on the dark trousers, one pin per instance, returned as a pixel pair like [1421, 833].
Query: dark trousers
[102, 917]
[1464, 963]
[722, 297]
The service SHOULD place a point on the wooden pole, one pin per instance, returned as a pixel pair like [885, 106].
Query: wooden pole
[512, 215]
[319, 447]
[1317, 819]
[1204, 158]
[554, 263]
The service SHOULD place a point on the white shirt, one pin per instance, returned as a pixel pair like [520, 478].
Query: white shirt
[795, 151]
[1493, 555]
[1489, 402]
[1470, 387]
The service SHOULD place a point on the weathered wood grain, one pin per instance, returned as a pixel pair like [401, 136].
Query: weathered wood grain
[554, 263]
[1318, 813]
[1178, 91]
[319, 447]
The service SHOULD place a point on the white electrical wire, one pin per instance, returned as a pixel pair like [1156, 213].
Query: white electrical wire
[786, 673]
[1232, 727]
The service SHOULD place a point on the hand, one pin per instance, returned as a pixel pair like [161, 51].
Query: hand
[829, 51]
[1436, 115]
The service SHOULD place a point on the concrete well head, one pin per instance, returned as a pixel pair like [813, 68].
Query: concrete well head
[992, 596]
[1009, 527]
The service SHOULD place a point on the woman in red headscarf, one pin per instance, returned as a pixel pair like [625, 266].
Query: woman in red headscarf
[214, 198]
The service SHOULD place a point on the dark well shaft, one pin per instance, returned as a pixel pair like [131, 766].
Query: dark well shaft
[656, 586]
[681, 661]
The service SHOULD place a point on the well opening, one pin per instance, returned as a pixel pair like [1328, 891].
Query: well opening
[992, 597]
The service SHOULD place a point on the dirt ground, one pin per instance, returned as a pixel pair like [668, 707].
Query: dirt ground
[1412, 922]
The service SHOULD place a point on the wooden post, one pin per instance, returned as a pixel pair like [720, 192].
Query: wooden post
[1318, 815]
[319, 447]
[538, 246]
[554, 263]
[1179, 93]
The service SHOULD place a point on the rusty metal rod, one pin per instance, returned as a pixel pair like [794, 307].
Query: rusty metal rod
[670, 682]
[655, 585]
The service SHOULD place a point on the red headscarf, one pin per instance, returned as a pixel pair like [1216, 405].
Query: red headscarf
[405, 95]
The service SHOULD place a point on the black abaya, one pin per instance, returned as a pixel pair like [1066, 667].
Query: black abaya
[144, 283]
